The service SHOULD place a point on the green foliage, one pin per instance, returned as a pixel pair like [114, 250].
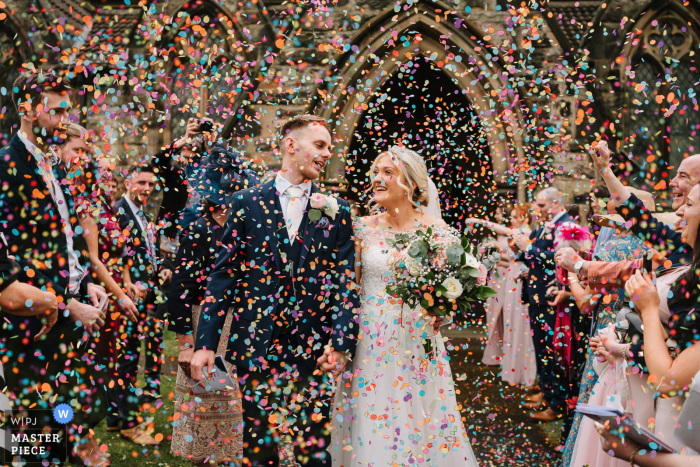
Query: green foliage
[314, 214]
[418, 250]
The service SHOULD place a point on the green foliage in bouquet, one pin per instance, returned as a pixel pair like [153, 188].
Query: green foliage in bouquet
[441, 273]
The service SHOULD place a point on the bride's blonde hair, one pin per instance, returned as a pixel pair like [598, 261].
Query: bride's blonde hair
[413, 175]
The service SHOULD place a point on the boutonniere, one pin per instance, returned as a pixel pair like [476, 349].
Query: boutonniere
[322, 204]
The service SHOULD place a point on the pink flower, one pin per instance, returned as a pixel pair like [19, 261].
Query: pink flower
[318, 201]
[481, 280]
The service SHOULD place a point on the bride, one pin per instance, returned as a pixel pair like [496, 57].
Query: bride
[392, 406]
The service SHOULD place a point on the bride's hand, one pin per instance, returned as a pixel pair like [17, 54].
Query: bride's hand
[332, 361]
[436, 321]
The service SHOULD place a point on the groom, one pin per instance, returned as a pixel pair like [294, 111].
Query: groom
[288, 278]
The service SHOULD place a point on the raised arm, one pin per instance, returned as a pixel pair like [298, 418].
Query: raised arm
[499, 229]
[619, 194]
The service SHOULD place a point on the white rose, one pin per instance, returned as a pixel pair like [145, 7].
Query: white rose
[331, 208]
[454, 288]
[471, 262]
[413, 265]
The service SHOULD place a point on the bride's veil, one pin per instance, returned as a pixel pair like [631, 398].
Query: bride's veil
[433, 206]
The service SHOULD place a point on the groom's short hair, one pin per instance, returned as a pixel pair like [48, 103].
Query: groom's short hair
[298, 122]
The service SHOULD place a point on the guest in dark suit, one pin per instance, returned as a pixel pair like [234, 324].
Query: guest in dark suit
[288, 277]
[141, 258]
[537, 252]
[37, 214]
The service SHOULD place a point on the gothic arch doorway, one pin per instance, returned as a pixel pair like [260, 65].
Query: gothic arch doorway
[421, 108]
[445, 69]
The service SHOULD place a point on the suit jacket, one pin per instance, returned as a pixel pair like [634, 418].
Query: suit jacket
[251, 272]
[32, 225]
[175, 194]
[539, 259]
[195, 261]
[141, 267]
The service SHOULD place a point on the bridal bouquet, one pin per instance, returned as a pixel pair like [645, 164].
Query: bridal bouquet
[440, 271]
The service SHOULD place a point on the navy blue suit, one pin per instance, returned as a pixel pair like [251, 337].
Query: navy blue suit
[539, 258]
[141, 269]
[32, 225]
[289, 301]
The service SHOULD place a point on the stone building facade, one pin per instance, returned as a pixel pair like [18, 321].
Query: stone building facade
[501, 97]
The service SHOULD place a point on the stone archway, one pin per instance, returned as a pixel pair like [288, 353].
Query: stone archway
[460, 55]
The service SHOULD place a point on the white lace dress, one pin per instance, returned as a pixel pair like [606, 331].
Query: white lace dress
[395, 408]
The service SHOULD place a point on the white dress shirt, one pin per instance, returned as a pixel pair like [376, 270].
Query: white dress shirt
[147, 233]
[77, 272]
[281, 185]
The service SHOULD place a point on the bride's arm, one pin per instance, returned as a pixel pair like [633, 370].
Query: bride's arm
[358, 260]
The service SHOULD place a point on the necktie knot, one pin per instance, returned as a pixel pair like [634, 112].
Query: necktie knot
[295, 210]
[294, 192]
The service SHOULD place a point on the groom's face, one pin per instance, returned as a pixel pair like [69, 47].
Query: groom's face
[310, 149]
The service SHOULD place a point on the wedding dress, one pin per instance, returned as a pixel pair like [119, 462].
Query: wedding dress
[392, 407]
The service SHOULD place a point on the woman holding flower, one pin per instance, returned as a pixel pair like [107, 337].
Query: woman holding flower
[400, 370]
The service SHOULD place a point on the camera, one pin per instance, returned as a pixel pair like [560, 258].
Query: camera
[205, 125]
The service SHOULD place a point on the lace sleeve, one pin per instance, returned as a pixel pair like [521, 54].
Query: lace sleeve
[358, 231]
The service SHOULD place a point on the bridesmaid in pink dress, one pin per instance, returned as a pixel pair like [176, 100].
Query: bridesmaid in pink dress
[509, 343]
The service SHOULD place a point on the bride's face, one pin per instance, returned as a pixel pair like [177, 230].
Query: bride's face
[385, 183]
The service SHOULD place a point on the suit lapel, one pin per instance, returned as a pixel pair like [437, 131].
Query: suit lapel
[309, 230]
[271, 219]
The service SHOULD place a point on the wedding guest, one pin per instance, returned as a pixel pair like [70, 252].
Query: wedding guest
[516, 354]
[142, 262]
[36, 177]
[570, 325]
[537, 253]
[671, 298]
[654, 229]
[622, 246]
[194, 439]
[94, 190]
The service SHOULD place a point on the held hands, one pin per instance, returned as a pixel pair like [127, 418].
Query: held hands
[566, 258]
[643, 294]
[601, 157]
[332, 361]
[201, 358]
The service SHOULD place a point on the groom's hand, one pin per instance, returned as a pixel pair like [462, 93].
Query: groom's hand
[332, 361]
[202, 358]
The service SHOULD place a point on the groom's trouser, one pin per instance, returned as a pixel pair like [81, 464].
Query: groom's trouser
[290, 384]
[542, 323]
